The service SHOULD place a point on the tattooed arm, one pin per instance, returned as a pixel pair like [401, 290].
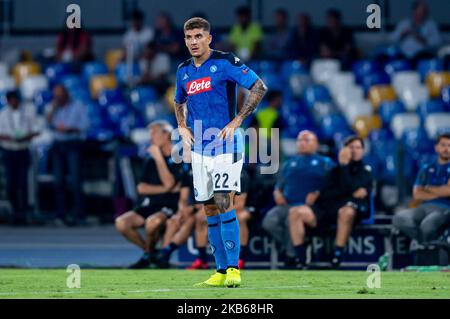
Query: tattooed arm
[185, 133]
[257, 92]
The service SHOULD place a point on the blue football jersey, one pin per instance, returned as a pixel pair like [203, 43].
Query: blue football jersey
[210, 92]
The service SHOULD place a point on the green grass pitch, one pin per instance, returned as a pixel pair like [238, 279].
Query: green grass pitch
[258, 284]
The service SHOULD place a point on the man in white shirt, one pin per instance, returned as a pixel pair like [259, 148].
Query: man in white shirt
[417, 35]
[17, 129]
[137, 37]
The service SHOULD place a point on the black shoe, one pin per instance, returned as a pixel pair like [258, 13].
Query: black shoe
[142, 263]
[162, 261]
[335, 262]
[290, 263]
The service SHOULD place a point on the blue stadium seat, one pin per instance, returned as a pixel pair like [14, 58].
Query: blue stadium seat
[100, 135]
[331, 124]
[272, 80]
[415, 140]
[91, 69]
[73, 82]
[395, 66]
[82, 95]
[289, 68]
[316, 93]
[267, 66]
[3, 101]
[41, 99]
[372, 79]
[364, 67]
[143, 95]
[388, 109]
[370, 220]
[121, 72]
[117, 111]
[445, 96]
[340, 136]
[55, 72]
[426, 66]
[110, 96]
[428, 107]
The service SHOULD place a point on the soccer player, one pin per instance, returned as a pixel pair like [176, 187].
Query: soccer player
[206, 87]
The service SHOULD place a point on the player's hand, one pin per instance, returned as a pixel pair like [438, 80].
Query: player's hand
[311, 198]
[279, 198]
[228, 131]
[155, 152]
[186, 135]
[360, 193]
[345, 156]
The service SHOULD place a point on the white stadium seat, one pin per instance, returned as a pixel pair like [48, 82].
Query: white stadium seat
[339, 81]
[139, 136]
[348, 94]
[323, 69]
[404, 121]
[412, 96]
[32, 84]
[357, 108]
[405, 79]
[435, 122]
[7, 83]
[3, 70]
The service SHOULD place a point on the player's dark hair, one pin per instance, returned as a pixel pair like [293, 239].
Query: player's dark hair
[197, 23]
[244, 10]
[273, 94]
[441, 136]
[13, 94]
[349, 140]
[137, 15]
[335, 13]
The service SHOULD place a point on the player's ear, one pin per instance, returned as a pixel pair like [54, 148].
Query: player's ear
[209, 38]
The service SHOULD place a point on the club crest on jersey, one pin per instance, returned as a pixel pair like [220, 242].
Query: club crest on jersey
[236, 60]
[199, 86]
[185, 76]
[213, 68]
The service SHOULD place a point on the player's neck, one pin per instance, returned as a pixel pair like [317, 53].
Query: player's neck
[201, 59]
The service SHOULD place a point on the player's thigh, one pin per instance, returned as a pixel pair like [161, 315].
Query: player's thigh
[129, 219]
[305, 213]
[227, 172]
[202, 179]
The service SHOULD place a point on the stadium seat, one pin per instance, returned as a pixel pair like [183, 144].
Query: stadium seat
[117, 111]
[126, 74]
[7, 83]
[73, 82]
[41, 99]
[321, 109]
[411, 97]
[92, 69]
[431, 106]
[395, 66]
[445, 96]
[81, 94]
[347, 95]
[32, 84]
[437, 123]
[339, 81]
[364, 124]
[388, 109]
[3, 70]
[267, 66]
[402, 122]
[24, 69]
[416, 140]
[370, 220]
[101, 82]
[139, 136]
[113, 57]
[331, 124]
[435, 81]
[298, 83]
[405, 79]
[364, 67]
[340, 136]
[56, 71]
[110, 96]
[143, 95]
[316, 93]
[372, 79]
[381, 93]
[356, 109]
[323, 69]
[272, 80]
[431, 65]
[292, 67]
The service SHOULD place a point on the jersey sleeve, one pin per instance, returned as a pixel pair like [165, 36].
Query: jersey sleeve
[421, 177]
[238, 72]
[180, 91]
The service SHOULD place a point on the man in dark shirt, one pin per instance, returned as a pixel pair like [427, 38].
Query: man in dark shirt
[432, 187]
[344, 198]
[304, 40]
[160, 185]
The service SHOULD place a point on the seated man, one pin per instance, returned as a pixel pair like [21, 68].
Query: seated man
[160, 184]
[180, 225]
[425, 222]
[243, 215]
[345, 198]
[300, 179]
